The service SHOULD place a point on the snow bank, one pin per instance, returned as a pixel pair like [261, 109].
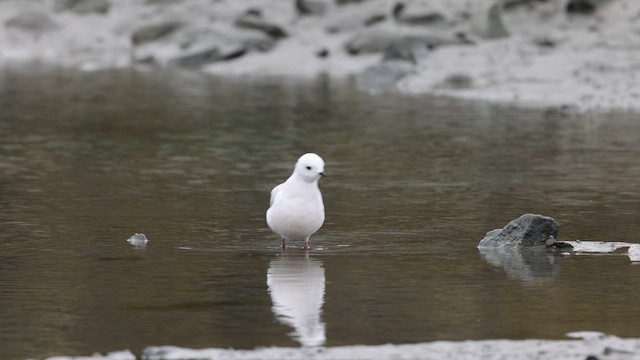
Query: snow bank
[584, 345]
[572, 55]
[589, 344]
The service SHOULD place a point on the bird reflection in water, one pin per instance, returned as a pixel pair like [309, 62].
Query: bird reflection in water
[296, 285]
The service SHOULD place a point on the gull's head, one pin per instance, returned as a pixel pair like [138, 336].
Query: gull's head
[310, 167]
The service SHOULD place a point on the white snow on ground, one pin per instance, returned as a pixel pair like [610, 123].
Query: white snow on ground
[582, 345]
[550, 58]
[592, 64]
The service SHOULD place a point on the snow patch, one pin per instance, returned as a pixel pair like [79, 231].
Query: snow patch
[587, 344]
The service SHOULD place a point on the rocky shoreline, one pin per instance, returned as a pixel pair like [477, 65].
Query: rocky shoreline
[572, 55]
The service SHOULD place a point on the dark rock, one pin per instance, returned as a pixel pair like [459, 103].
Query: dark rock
[210, 55]
[322, 53]
[154, 32]
[488, 22]
[383, 77]
[233, 53]
[562, 110]
[310, 7]
[367, 43]
[583, 7]
[375, 42]
[496, 28]
[411, 49]
[83, 6]
[545, 42]
[259, 44]
[354, 21]
[612, 351]
[463, 38]
[428, 18]
[456, 82]
[528, 230]
[561, 245]
[162, 2]
[344, 2]
[374, 19]
[32, 21]
[514, 4]
[146, 60]
[198, 58]
[253, 19]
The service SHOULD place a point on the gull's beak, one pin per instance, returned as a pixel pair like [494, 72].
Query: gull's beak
[322, 173]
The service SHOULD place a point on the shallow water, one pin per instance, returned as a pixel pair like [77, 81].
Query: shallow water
[89, 159]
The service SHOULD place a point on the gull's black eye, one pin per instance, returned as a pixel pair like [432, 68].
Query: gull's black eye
[308, 167]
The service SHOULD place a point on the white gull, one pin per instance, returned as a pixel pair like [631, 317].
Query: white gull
[296, 209]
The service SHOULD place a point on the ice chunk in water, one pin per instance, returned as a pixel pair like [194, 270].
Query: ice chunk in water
[115, 355]
[634, 252]
[586, 335]
[138, 239]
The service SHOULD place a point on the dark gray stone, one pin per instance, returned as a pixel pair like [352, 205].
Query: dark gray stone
[368, 42]
[514, 4]
[154, 32]
[323, 53]
[528, 230]
[383, 77]
[210, 55]
[398, 47]
[456, 82]
[199, 52]
[253, 20]
[310, 7]
[545, 42]
[488, 22]
[496, 28]
[411, 49]
[84, 6]
[582, 7]
[345, 2]
[162, 2]
[259, 44]
[374, 19]
[426, 18]
[198, 58]
[31, 21]
[146, 60]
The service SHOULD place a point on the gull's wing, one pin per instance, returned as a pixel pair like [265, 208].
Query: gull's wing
[274, 192]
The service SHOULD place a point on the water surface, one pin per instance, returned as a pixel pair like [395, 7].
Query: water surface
[89, 159]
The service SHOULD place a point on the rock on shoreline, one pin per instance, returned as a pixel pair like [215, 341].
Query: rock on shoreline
[572, 55]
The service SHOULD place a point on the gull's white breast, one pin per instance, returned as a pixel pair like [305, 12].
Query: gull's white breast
[297, 211]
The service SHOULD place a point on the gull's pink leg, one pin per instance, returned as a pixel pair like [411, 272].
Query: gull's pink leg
[283, 244]
[306, 245]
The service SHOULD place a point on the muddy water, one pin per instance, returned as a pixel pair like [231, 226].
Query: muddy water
[89, 159]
